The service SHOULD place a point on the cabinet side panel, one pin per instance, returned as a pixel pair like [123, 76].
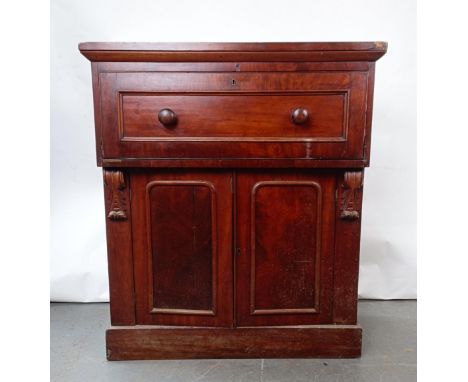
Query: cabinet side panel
[369, 109]
[347, 245]
[119, 247]
[97, 112]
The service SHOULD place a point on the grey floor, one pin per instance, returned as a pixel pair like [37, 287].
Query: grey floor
[389, 352]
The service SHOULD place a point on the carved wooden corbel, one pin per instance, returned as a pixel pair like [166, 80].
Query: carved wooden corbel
[350, 195]
[116, 202]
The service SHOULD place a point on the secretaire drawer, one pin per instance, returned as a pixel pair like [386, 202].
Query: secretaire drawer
[233, 115]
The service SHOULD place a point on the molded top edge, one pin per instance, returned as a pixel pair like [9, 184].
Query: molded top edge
[234, 46]
[265, 51]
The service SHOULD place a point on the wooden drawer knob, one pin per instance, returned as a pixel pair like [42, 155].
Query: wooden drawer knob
[167, 117]
[300, 116]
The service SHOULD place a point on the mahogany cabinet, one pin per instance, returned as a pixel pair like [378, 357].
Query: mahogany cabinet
[233, 177]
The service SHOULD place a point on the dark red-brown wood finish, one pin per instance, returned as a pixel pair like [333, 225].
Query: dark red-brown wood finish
[233, 177]
[182, 247]
[285, 229]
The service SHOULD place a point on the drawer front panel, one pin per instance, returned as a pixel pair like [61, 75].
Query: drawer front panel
[264, 117]
[233, 115]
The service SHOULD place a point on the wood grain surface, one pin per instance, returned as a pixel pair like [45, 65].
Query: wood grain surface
[326, 341]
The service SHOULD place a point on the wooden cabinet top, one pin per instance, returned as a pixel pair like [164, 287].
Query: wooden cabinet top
[217, 52]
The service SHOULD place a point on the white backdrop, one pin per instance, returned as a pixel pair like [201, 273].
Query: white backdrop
[388, 249]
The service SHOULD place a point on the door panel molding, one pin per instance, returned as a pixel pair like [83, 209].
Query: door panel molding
[183, 213]
[285, 237]
[318, 223]
[214, 247]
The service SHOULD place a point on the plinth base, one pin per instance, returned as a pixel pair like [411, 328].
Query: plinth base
[154, 342]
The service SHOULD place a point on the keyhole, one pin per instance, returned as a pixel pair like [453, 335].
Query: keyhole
[233, 82]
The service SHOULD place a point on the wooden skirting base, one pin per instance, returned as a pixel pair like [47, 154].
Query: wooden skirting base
[149, 342]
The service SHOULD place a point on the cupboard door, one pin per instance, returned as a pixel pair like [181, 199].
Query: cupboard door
[285, 235]
[182, 240]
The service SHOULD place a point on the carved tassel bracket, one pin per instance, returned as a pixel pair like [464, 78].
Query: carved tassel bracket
[350, 195]
[116, 200]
